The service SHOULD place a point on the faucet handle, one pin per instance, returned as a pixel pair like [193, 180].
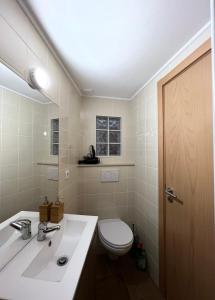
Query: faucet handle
[43, 229]
[52, 228]
[24, 222]
[24, 226]
[42, 225]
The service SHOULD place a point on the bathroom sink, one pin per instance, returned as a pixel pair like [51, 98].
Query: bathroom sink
[53, 259]
[11, 241]
[34, 273]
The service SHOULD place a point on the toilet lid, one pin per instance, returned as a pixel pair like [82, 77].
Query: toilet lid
[115, 232]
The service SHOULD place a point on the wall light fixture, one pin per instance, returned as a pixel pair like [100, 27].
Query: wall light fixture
[38, 79]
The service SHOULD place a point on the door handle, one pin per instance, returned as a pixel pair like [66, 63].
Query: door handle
[171, 196]
[170, 193]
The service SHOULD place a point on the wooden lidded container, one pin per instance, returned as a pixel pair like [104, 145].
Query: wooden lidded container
[45, 210]
[57, 211]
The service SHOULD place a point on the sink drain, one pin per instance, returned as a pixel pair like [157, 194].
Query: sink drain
[62, 261]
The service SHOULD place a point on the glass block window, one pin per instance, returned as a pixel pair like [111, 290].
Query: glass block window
[108, 136]
[54, 136]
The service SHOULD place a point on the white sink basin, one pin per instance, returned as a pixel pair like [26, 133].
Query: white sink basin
[63, 244]
[11, 241]
[34, 274]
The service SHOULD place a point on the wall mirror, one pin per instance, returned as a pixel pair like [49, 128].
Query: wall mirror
[29, 145]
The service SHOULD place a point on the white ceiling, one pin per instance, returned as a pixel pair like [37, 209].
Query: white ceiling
[114, 46]
[12, 81]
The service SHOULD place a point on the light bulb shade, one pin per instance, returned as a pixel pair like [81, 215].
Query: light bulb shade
[38, 79]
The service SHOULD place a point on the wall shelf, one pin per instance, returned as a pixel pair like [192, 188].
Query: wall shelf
[130, 164]
[47, 164]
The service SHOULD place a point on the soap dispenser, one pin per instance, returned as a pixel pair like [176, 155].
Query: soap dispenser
[44, 210]
[57, 211]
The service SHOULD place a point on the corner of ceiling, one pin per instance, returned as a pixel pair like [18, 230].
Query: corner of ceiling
[30, 15]
[28, 12]
[189, 42]
[106, 97]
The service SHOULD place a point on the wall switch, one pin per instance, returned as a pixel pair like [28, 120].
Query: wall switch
[67, 174]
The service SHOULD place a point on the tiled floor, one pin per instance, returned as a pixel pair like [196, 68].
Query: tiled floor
[120, 280]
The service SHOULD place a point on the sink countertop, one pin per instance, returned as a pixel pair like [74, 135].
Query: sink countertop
[14, 286]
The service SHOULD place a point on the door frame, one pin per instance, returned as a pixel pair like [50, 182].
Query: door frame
[198, 53]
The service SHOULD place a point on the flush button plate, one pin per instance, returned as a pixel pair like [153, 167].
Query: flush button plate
[111, 175]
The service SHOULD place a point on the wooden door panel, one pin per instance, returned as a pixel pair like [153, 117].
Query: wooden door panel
[188, 165]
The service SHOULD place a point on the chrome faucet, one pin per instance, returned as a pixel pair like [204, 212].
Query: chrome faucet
[24, 226]
[43, 229]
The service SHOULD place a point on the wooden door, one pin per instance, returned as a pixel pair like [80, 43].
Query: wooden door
[188, 172]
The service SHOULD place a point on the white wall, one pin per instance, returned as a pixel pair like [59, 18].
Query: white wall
[48, 187]
[22, 48]
[107, 200]
[22, 146]
[92, 107]
[145, 191]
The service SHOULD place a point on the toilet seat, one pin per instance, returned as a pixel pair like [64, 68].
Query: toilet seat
[114, 246]
[115, 233]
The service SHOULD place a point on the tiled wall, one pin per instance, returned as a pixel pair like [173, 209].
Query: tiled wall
[92, 107]
[107, 200]
[144, 115]
[43, 116]
[21, 49]
[69, 148]
[48, 187]
[22, 146]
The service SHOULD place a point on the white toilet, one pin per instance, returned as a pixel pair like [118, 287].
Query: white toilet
[115, 235]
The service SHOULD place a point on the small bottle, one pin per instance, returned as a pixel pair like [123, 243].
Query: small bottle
[57, 211]
[44, 210]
